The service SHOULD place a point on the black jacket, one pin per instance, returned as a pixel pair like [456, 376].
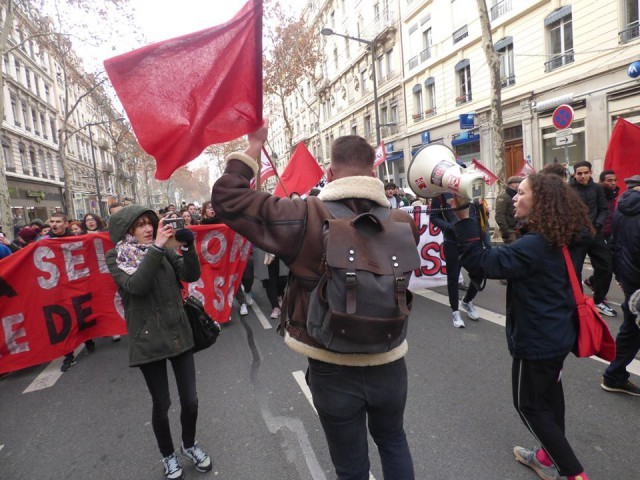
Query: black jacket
[593, 197]
[626, 241]
[444, 218]
[540, 305]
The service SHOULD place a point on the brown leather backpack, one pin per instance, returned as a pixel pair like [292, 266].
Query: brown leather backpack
[361, 303]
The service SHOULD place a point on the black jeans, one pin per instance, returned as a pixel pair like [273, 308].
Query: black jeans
[276, 284]
[155, 374]
[453, 274]
[348, 399]
[600, 255]
[539, 399]
[627, 346]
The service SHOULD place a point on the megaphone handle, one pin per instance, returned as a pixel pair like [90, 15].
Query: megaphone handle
[482, 219]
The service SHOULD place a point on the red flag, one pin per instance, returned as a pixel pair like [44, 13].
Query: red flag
[381, 155]
[184, 94]
[622, 152]
[488, 175]
[525, 169]
[301, 175]
[266, 168]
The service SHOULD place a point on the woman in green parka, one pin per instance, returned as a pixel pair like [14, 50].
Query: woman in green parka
[146, 273]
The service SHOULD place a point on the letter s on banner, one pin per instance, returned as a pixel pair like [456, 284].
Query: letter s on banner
[39, 256]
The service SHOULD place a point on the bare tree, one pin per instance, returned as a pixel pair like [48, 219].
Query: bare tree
[493, 62]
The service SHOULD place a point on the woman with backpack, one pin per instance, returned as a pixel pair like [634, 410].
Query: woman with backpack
[541, 323]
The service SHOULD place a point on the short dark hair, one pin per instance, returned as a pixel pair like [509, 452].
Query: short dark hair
[352, 151]
[60, 215]
[555, 169]
[583, 163]
[604, 173]
[390, 185]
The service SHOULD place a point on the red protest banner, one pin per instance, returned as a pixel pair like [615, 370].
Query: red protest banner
[56, 294]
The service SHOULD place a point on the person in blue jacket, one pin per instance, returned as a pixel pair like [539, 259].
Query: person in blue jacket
[541, 322]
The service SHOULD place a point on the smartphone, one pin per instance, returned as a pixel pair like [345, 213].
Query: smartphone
[176, 223]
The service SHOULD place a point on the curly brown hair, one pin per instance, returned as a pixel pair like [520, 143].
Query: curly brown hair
[557, 212]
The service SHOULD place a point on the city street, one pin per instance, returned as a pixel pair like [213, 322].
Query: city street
[257, 422]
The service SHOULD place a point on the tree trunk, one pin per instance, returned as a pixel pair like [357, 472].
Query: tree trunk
[67, 195]
[493, 62]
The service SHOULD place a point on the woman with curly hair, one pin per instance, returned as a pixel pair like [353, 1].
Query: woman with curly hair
[541, 323]
[93, 223]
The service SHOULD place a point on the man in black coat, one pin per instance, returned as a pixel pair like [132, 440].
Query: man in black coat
[596, 247]
[626, 247]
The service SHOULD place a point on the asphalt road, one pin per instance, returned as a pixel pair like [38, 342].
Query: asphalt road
[257, 422]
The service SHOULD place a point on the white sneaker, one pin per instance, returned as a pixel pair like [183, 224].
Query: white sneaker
[199, 458]
[605, 309]
[249, 298]
[457, 320]
[468, 307]
[275, 313]
[244, 310]
[172, 468]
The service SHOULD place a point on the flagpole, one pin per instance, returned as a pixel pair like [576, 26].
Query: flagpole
[275, 170]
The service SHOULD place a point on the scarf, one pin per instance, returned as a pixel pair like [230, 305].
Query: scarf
[130, 253]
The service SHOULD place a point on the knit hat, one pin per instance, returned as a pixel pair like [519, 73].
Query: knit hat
[514, 179]
[38, 222]
[28, 234]
[632, 181]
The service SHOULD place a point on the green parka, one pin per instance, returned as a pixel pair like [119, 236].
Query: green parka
[153, 308]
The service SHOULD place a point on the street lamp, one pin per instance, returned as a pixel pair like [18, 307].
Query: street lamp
[371, 43]
[93, 158]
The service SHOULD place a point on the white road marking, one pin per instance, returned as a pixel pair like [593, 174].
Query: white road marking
[51, 374]
[302, 383]
[498, 319]
[263, 320]
[1, 447]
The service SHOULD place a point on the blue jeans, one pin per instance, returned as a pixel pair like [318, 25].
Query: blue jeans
[627, 346]
[348, 399]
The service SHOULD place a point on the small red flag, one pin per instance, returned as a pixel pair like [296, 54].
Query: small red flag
[489, 177]
[301, 175]
[266, 168]
[184, 94]
[622, 152]
[381, 155]
[525, 169]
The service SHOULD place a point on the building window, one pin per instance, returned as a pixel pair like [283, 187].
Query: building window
[364, 77]
[34, 162]
[504, 48]
[7, 156]
[335, 59]
[381, 72]
[50, 166]
[43, 166]
[459, 34]
[559, 27]
[463, 72]
[425, 54]
[60, 170]
[25, 117]
[499, 8]
[54, 130]
[417, 103]
[630, 19]
[354, 129]
[367, 127]
[14, 110]
[389, 62]
[393, 114]
[430, 97]
[23, 159]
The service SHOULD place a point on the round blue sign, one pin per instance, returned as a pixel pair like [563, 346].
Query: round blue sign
[633, 70]
[562, 117]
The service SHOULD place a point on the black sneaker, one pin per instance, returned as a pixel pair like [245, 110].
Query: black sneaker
[629, 387]
[463, 286]
[91, 345]
[68, 362]
[588, 283]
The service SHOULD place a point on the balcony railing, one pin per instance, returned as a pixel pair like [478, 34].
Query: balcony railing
[430, 112]
[463, 99]
[500, 9]
[417, 117]
[413, 62]
[459, 34]
[559, 61]
[629, 33]
[508, 81]
[425, 54]
[107, 167]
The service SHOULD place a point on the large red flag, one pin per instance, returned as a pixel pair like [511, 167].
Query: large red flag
[622, 152]
[489, 177]
[301, 175]
[184, 94]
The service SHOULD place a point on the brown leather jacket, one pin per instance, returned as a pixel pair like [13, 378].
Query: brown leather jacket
[292, 230]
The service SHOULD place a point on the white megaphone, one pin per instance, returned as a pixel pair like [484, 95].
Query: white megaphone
[434, 170]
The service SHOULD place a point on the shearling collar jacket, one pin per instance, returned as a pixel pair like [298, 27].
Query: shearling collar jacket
[292, 230]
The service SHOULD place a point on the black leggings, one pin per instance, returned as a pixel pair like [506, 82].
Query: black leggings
[453, 275]
[155, 374]
[276, 284]
[539, 399]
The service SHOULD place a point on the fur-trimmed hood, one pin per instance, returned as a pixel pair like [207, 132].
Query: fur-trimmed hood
[367, 188]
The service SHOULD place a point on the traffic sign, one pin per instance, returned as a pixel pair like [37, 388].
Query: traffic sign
[562, 117]
[565, 140]
[564, 133]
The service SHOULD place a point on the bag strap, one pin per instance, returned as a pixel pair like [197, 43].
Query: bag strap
[573, 278]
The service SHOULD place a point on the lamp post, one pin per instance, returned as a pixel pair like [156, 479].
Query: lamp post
[371, 43]
[95, 166]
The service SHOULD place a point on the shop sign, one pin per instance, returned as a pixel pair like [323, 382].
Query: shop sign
[36, 194]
